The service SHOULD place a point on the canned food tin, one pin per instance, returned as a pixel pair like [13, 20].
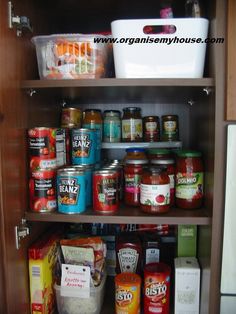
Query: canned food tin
[128, 288]
[88, 171]
[105, 191]
[71, 117]
[42, 191]
[42, 148]
[83, 145]
[156, 288]
[71, 191]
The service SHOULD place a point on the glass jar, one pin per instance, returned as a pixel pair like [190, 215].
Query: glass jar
[132, 126]
[135, 153]
[151, 129]
[189, 180]
[159, 153]
[169, 165]
[111, 126]
[133, 171]
[92, 119]
[155, 191]
[170, 128]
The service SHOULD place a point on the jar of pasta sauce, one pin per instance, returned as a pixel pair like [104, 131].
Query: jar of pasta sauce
[189, 179]
[132, 125]
[169, 165]
[133, 171]
[155, 191]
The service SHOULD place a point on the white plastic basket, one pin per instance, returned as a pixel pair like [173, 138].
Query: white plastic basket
[160, 60]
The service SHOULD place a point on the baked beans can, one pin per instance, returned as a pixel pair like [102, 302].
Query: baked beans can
[88, 171]
[71, 117]
[83, 146]
[105, 191]
[127, 290]
[42, 191]
[42, 148]
[71, 190]
[156, 288]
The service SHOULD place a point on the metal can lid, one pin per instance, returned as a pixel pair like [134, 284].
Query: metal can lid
[159, 151]
[70, 170]
[132, 109]
[105, 172]
[111, 113]
[136, 161]
[189, 153]
[135, 150]
[162, 161]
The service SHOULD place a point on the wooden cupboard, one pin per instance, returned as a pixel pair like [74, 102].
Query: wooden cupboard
[26, 102]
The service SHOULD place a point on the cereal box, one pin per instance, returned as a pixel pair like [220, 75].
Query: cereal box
[42, 259]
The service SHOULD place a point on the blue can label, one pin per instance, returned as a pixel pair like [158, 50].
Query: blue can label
[71, 194]
[83, 147]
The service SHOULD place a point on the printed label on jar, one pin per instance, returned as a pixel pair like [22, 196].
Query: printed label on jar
[128, 260]
[189, 186]
[132, 183]
[170, 126]
[155, 194]
[151, 127]
[132, 129]
[112, 131]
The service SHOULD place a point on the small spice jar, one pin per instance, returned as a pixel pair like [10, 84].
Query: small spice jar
[189, 179]
[169, 165]
[170, 128]
[135, 153]
[133, 171]
[151, 129]
[155, 191]
[132, 125]
[112, 126]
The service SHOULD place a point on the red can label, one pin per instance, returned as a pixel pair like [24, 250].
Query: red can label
[42, 148]
[42, 187]
[105, 191]
[156, 293]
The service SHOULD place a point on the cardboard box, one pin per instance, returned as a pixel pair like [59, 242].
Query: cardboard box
[42, 259]
[187, 285]
[187, 241]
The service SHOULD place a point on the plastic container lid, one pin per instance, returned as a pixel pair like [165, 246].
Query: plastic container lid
[135, 150]
[189, 153]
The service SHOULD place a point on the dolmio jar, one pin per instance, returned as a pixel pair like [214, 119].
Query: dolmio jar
[189, 180]
[155, 191]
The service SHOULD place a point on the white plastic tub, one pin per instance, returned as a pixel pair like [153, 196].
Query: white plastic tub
[159, 60]
[70, 56]
[72, 304]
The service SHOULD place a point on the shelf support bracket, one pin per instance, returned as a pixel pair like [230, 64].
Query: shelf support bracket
[207, 90]
[21, 231]
[21, 23]
[31, 92]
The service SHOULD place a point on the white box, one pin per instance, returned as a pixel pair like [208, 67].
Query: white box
[187, 285]
[159, 60]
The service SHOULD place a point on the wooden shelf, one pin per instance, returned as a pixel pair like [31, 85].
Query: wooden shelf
[116, 90]
[122, 145]
[175, 216]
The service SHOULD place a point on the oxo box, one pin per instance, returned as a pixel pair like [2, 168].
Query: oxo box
[42, 258]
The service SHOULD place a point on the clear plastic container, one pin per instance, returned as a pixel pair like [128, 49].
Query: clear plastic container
[75, 305]
[70, 56]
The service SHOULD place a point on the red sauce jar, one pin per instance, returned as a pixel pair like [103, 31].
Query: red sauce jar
[189, 180]
[169, 165]
[155, 191]
[133, 171]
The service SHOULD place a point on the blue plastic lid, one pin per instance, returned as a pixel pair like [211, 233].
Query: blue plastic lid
[135, 150]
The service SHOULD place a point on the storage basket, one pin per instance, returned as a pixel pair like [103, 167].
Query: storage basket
[74, 305]
[159, 60]
[70, 56]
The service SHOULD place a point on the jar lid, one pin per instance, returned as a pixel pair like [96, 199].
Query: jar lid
[131, 109]
[162, 161]
[112, 112]
[70, 170]
[189, 153]
[93, 110]
[159, 151]
[135, 150]
[170, 116]
[136, 161]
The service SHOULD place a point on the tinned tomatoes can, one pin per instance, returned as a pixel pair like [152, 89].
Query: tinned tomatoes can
[105, 191]
[127, 298]
[42, 148]
[156, 288]
[71, 184]
[42, 194]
